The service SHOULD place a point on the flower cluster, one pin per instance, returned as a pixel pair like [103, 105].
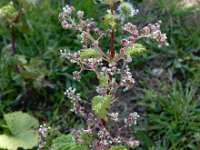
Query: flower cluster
[127, 80]
[43, 132]
[67, 11]
[74, 58]
[85, 27]
[150, 31]
[132, 29]
[153, 31]
[114, 116]
[71, 93]
[75, 98]
[77, 75]
[132, 119]
[133, 143]
[105, 142]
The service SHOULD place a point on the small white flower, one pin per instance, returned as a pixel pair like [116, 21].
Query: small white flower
[80, 14]
[114, 116]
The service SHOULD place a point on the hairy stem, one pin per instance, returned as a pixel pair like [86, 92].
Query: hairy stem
[12, 36]
[112, 55]
[14, 51]
[15, 21]
[112, 50]
[13, 41]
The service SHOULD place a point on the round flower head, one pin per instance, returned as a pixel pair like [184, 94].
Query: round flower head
[127, 10]
[80, 14]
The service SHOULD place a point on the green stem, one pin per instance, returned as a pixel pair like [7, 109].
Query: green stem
[13, 41]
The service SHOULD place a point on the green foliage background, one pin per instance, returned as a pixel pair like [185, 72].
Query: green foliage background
[169, 106]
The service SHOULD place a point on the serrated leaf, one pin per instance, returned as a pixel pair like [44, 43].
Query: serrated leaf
[8, 12]
[103, 79]
[89, 53]
[82, 147]
[109, 19]
[135, 49]
[118, 148]
[85, 137]
[67, 142]
[100, 105]
[64, 142]
[23, 133]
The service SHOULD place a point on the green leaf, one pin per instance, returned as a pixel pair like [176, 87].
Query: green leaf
[82, 147]
[89, 53]
[8, 12]
[23, 133]
[135, 49]
[19, 122]
[103, 79]
[86, 138]
[67, 142]
[26, 140]
[109, 19]
[118, 148]
[100, 105]
[64, 142]
[36, 69]
[21, 59]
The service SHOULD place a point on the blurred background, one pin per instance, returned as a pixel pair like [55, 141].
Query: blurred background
[33, 77]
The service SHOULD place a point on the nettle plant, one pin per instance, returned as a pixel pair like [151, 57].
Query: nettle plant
[112, 71]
